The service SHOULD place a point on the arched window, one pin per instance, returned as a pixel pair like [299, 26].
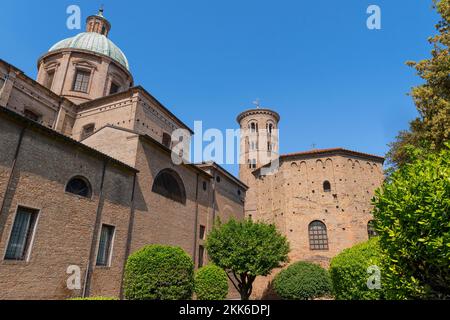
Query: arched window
[327, 186]
[253, 127]
[169, 184]
[371, 231]
[318, 237]
[269, 128]
[79, 186]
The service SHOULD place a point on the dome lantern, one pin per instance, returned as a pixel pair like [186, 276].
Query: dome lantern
[98, 23]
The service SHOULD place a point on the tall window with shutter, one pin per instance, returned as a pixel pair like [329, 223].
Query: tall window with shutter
[21, 234]
[105, 246]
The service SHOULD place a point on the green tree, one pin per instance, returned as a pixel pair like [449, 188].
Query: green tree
[432, 128]
[246, 250]
[412, 212]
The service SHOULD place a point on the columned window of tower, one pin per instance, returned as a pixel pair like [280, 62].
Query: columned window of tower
[318, 237]
[270, 128]
[81, 81]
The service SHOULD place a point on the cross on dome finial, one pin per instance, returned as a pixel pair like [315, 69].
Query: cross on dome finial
[257, 103]
[101, 10]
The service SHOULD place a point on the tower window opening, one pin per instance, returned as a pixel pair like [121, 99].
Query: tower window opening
[327, 186]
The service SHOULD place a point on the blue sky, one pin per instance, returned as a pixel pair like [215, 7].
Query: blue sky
[334, 82]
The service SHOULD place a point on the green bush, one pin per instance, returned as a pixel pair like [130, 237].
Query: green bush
[302, 281]
[413, 220]
[211, 283]
[159, 272]
[349, 272]
[95, 299]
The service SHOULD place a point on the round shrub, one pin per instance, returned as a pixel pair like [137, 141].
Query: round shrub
[95, 299]
[211, 283]
[349, 272]
[302, 281]
[159, 272]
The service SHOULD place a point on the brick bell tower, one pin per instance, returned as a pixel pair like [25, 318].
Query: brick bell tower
[259, 146]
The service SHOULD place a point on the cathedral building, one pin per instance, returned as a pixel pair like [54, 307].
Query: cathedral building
[86, 174]
[87, 178]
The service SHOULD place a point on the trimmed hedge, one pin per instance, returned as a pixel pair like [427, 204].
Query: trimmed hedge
[94, 299]
[159, 272]
[302, 281]
[211, 283]
[349, 272]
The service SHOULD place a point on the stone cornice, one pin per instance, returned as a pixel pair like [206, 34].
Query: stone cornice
[258, 112]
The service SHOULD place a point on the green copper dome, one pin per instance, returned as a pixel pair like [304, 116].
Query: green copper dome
[95, 42]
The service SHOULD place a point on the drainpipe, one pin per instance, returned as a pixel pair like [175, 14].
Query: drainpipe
[98, 220]
[214, 197]
[11, 175]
